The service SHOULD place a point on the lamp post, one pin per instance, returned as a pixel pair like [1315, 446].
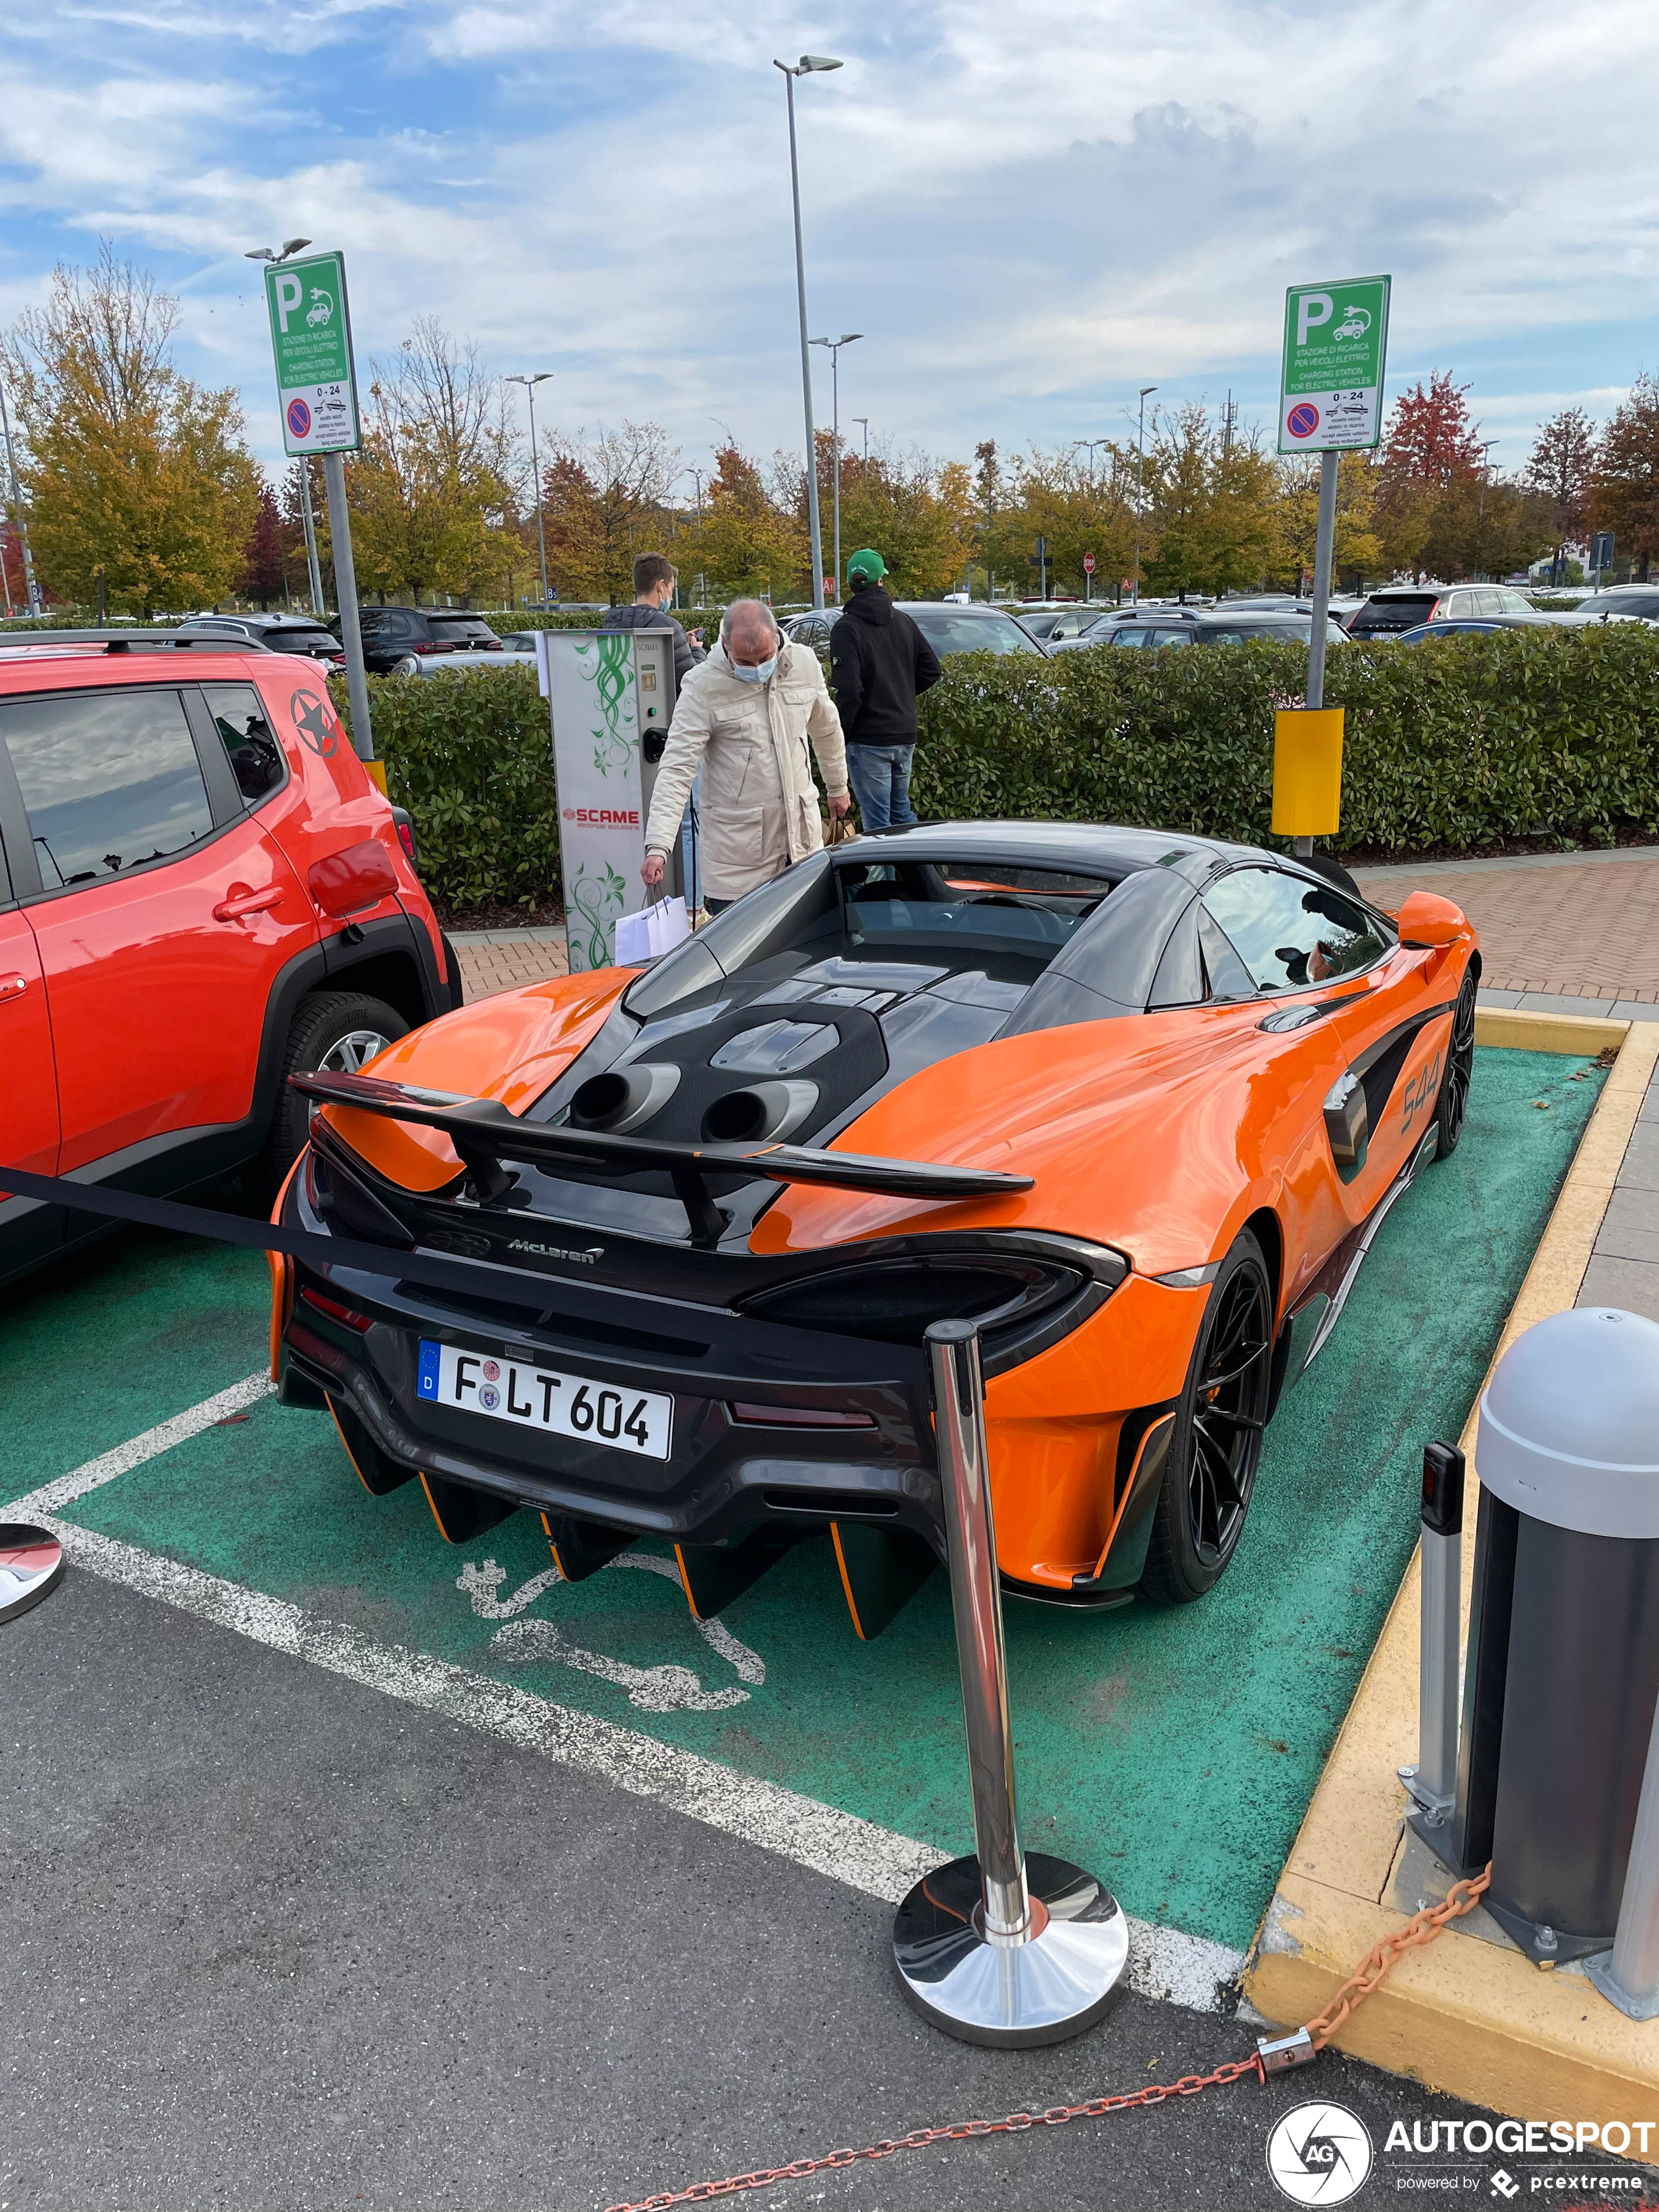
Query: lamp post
[530, 384]
[696, 476]
[808, 65]
[863, 421]
[834, 346]
[1146, 391]
[1481, 506]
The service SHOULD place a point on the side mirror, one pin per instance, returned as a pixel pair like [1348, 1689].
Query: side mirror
[1427, 923]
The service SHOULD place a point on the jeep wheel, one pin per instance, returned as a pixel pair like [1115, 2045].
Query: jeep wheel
[338, 1030]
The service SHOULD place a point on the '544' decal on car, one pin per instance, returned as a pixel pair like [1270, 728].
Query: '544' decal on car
[1422, 1091]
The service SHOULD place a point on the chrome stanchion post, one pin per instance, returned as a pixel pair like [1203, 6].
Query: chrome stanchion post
[996, 1948]
[1628, 1975]
[1433, 1781]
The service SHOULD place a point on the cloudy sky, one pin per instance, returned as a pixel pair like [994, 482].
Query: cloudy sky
[1029, 211]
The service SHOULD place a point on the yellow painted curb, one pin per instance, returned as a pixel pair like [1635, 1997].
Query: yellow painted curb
[1466, 2016]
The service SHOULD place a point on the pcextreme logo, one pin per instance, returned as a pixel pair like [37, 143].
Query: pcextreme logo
[1319, 2153]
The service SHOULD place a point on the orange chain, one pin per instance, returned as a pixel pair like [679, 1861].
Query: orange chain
[1422, 1928]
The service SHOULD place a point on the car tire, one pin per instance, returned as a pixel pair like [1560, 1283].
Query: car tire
[337, 1030]
[1453, 1102]
[1215, 1447]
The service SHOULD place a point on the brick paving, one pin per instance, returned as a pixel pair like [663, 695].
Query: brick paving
[493, 960]
[1589, 930]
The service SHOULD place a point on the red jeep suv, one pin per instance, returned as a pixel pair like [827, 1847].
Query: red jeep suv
[201, 892]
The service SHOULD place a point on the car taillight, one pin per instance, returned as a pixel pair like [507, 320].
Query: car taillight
[406, 839]
[895, 1300]
[336, 1311]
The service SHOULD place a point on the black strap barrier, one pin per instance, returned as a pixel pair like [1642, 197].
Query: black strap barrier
[808, 1355]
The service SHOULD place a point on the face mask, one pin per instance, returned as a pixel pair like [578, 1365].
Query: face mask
[761, 675]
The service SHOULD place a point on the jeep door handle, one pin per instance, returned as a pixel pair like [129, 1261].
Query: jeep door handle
[13, 986]
[239, 900]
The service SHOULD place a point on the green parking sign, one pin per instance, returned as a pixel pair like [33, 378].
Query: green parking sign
[311, 342]
[1336, 338]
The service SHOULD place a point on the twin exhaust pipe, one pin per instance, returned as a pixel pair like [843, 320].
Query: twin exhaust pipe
[624, 1099]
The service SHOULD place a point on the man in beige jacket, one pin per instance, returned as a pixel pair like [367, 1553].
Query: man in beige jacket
[745, 718]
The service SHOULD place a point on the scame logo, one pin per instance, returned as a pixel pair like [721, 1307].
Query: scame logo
[604, 818]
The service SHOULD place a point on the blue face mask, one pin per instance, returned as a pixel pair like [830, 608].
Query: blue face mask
[761, 675]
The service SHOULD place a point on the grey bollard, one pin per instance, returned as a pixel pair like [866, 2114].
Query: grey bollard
[997, 1948]
[1562, 1673]
[1433, 1781]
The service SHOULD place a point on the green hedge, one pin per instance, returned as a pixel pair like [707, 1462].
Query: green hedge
[469, 754]
[1461, 742]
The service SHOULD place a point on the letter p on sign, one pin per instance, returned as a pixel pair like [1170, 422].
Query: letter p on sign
[290, 291]
[1312, 309]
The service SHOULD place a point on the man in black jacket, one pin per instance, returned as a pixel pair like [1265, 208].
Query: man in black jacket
[879, 662]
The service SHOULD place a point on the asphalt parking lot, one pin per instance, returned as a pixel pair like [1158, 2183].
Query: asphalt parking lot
[344, 1867]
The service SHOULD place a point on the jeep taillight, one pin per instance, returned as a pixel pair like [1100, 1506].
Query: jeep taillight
[406, 839]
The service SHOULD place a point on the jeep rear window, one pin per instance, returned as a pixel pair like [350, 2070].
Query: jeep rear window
[110, 780]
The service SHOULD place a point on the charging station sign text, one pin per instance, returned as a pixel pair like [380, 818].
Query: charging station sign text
[1335, 346]
[311, 342]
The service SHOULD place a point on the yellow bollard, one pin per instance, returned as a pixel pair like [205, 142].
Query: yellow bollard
[1307, 771]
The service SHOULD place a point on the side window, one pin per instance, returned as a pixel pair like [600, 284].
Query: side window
[1290, 933]
[110, 780]
[1129, 636]
[1166, 637]
[239, 716]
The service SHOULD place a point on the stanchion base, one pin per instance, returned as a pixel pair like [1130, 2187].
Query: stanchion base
[31, 1564]
[1599, 1970]
[1056, 1984]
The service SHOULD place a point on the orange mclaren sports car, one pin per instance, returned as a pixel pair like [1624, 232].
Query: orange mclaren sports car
[652, 1251]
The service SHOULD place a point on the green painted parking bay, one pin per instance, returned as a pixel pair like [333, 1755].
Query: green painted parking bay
[1171, 1751]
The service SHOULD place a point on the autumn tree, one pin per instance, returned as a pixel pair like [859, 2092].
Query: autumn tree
[1077, 507]
[131, 468]
[606, 497]
[1356, 552]
[751, 544]
[267, 557]
[1559, 471]
[1430, 457]
[1208, 510]
[1624, 489]
[430, 493]
[918, 514]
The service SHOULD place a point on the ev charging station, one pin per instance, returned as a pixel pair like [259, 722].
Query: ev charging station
[611, 697]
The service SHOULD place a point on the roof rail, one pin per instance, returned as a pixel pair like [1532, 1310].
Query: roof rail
[123, 641]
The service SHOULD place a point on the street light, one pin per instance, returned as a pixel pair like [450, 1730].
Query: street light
[1481, 506]
[808, 65]
[696, 476]
[530, 384]
[834, 346]
[864, 421]
[1146, 391]
[270, 252]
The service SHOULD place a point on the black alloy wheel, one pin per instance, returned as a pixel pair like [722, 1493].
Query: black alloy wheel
[1453, 1102]
[1215, 1444]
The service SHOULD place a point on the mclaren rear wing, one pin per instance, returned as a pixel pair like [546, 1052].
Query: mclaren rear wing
[484, 1133]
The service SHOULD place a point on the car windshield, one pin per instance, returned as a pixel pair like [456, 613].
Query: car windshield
[904, 907]
[955, 630]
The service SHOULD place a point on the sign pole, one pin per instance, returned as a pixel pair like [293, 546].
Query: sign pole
[317, 392]
[1328, 461]
[318, 607]
[345, 590]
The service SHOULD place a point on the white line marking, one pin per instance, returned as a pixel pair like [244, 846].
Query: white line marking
[653, 1689]
[1163, 1962]
[52, 1496]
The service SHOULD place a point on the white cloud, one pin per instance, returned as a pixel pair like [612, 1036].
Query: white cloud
[1030, 212]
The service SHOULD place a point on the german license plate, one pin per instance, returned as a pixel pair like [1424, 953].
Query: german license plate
[535, 1397]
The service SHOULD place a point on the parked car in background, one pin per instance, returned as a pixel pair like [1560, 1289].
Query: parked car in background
[1619, 600]
[1050, 624]
[947, 626]
[201, 894]
[1403, 606]
[394, 634]
[508, 655]
[1151, 627]
[279, 633]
